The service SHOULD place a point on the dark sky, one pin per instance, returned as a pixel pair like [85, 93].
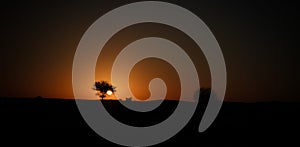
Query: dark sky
[259, 40]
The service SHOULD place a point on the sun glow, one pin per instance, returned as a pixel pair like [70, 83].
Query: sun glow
[109, 92]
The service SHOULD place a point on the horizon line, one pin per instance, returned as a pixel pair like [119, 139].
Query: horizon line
[64, 98]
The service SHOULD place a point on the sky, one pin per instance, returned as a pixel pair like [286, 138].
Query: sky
[259, 41]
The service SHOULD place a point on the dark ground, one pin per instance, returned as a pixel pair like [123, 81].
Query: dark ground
[42, 122]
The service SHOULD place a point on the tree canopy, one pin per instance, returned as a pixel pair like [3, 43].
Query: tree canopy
[104, 88]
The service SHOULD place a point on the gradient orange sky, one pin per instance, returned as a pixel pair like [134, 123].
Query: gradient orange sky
[146, 70]
[258, 40]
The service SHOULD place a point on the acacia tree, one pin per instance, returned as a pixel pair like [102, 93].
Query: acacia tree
[103, 87]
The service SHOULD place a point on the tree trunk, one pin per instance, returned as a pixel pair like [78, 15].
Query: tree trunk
[102, 96]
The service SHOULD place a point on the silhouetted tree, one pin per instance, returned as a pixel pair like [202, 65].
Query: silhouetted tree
[103, 87]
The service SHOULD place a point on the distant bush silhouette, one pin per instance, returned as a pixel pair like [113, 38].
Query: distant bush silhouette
[103, 87]
[39, 97]
[204, 94]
